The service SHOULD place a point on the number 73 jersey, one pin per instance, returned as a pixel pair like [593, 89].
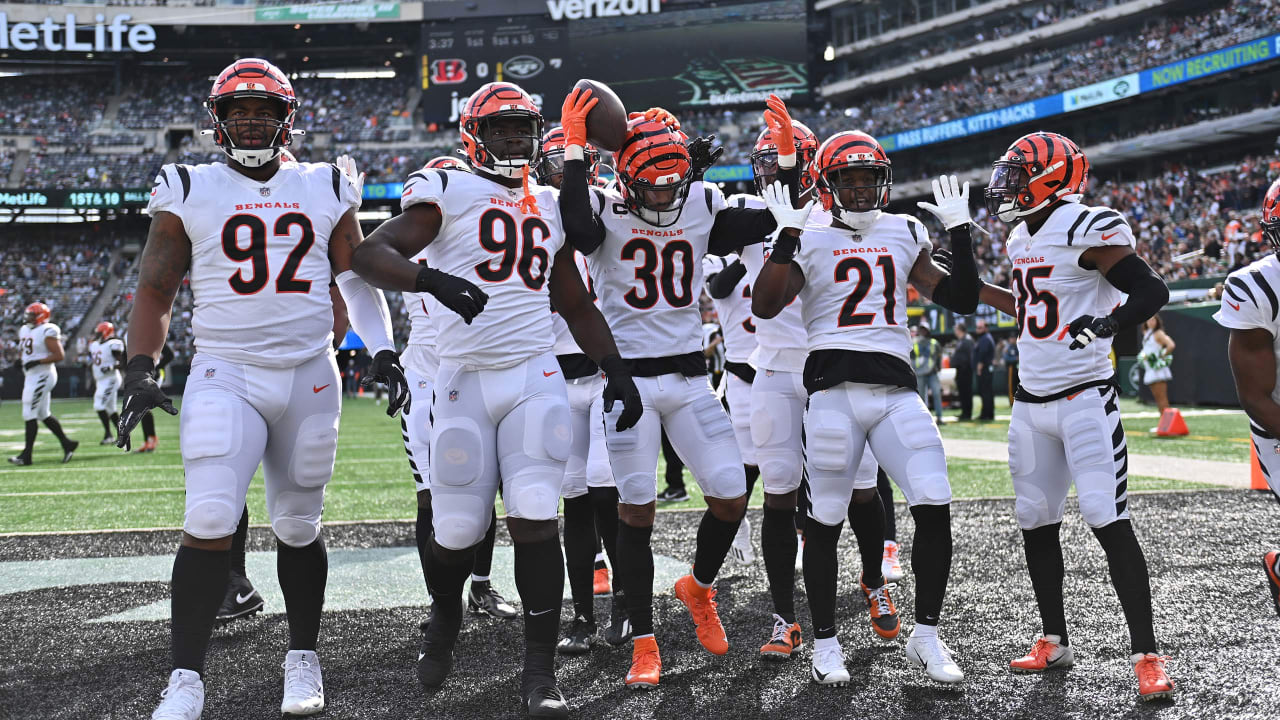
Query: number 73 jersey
[259, 257]
[855, 285]
[1050, 290]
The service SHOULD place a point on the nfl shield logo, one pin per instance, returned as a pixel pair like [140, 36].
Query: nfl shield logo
[210, 372]
[453, 396]
[264, 191]
[422, 384]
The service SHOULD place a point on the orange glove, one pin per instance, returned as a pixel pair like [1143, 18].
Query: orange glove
[659, 115]
[573, 116]
[779, 122]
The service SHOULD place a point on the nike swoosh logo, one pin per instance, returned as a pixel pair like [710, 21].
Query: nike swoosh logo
[1063, 334]
[242, 599]
[549, 374]
[1234, 306]
[420, 656]
[819, 675]
[540, 612]
[1107, 237]
[315, 389]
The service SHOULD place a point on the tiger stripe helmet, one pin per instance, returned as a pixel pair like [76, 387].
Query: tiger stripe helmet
[551, 162]
[851, 150]
[37, 313]
[252, 77]
[1037, 171]
[764, 156]
[447, 162]
[493, 101]
[105, 329]
[654, 171]
[1271, 215]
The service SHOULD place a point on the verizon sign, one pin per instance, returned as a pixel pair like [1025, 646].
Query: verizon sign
[71, 36]
[580, 9]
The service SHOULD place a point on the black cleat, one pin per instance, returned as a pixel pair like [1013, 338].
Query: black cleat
[673, 495]
[582, 635]
[482, 599]
[20, 460]
[69, 449]
[242, 600]
[435, 655]
[539, 694]
[619, 630]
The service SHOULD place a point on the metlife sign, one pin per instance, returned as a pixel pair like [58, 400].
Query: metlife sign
[1100, 93]
[73, 36]
[581, 9]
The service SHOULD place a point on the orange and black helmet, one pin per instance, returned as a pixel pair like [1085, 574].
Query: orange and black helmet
[764, 156]
[551, 162]
[851, 150]
[105, 329]
[1036, 171]
[1271, 215]
[252, 77]
[37, 313]
[654, 171]
[447, 162]
[510, 155]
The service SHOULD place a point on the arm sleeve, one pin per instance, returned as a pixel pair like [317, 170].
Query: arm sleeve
[958, 291]
[367, 311]
[583, 228]
[1147, 292]
[721, 286]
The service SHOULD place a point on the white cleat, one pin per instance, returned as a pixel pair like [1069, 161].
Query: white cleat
[303, 686]
[799, 554]
[889, 565]
[741, 550]
[934, 656]
[183, 699]
[828, 666]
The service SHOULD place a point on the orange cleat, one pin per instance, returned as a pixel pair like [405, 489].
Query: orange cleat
[1048, 653]
[785, 640]
[1271, 561]
[884, 616]
[646, 664]
[149, 445]
[600, 585]
[706, 620]
[1153, 681]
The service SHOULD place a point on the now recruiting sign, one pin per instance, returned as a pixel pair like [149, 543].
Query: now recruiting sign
[69, 35]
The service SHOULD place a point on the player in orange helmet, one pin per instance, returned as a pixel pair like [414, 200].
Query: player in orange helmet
[40, 342]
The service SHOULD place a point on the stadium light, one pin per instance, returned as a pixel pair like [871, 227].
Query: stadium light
[829, 54]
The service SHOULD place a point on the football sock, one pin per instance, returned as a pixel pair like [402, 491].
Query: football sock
[634, 568]
[579, 553]
[753, 474]
[115, 422]
[148, 426]
[821, 565]
[237, 544]
[715, 536]
[885, 488]
[604, 503]
[422, 536]
[867, 522]
[303, 574]
[106, 422]
[483, 562]
[198, 585]
[778, 539]
[32, 428]
[1043, 548]
[447, 571]
[931, 560]
[802, 503]
[1128, 568]
[55, 427]
[540, 583]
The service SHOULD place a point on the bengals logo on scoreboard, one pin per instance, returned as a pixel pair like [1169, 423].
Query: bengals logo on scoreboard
[449, 72]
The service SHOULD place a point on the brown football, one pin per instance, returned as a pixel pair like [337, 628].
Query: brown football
[607, 121]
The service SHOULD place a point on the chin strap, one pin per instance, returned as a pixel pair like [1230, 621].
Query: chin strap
[528, 203]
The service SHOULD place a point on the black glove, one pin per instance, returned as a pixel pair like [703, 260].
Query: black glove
[30, 364]
[619, 386]
[702, 155]
[942, 258]
[386, 369]
[141, 395]
[1086, 328]
[453, 292]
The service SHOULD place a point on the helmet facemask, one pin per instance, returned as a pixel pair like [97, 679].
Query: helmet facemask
[1007, 192]
[659, 203]
[869, 183]
[506, 142]
[269, 136]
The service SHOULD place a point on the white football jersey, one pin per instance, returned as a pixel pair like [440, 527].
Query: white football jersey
[1051, 289]
[649, 279]
[734, 312]
[31, 340]
[565, 344]
[485, 238]
[855, 290]
[102, 355]
[1250, 300]
[260, 267]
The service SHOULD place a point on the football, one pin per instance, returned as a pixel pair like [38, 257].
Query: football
[607, 121]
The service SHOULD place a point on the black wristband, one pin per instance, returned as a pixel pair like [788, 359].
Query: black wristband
[784, 249]
[141, 363]
[427, 280]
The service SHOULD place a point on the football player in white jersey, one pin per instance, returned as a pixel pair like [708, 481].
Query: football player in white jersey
[261, 241]
[590, 496]
[1250, 308]
[644, 249]
[501, 410]
[851, 277]
[106, 353]
[40, 342]
[778, 400]
[1072, 266]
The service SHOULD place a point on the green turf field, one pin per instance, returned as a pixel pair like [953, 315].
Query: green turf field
[104, 488]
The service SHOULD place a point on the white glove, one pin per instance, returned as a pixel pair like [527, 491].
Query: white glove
[347, 165]
[777, 197]
[952, 203]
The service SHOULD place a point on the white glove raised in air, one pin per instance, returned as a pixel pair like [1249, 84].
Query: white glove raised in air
[777, 197]
[952, 207]
[347, 165]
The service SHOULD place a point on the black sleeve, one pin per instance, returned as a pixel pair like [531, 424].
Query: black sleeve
[735, 228]
[166, 356]
[722, 285]
[958, 291]
[1147, 292]
[583, 229]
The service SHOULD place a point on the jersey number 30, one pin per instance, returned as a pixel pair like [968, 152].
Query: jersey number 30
[256, 253]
